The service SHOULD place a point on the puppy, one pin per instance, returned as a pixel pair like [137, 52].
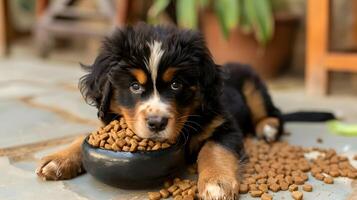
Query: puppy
[163, 81]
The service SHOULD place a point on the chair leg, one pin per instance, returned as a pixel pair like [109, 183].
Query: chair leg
[3, 29]
[317, 46]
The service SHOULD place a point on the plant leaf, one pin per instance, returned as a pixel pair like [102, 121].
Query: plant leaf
[203, 3]
[186, 13]
[156, 9]
[228, 13]
[259, 15]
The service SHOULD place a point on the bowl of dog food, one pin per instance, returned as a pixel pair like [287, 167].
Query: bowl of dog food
[116, 156]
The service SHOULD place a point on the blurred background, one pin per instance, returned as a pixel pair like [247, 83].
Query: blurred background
[304, 49]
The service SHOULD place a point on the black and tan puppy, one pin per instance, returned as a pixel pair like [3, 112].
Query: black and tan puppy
[163, 81]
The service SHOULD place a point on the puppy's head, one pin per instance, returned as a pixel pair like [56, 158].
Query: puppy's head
[155, 77]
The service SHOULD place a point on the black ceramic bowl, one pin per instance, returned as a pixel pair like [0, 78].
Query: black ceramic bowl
[133, 170]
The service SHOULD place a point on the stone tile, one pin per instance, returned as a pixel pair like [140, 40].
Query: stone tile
[69, 101]
[21, 124]
[296, 99]
[21, 89]
[46, 71]
[17, 184]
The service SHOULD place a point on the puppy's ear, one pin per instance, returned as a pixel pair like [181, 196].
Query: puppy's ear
[95, 86]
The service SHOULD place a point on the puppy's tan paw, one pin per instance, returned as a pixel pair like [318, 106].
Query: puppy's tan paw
[268, 129]
[59, 167]
[218, 188]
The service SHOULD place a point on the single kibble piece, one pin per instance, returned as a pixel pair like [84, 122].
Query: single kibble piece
[266, 196]
[172, 188]
[177, 192]
[274, 187]
[298, 180]
[178, 197]
[188, 197]
[243, 188]
[319, 176]
[263, 187]
[297, 195]
[164, 193]
[328, 180]
[154, 195]
[255, 193]
[293, 187]
[284, 186]
[307, 187]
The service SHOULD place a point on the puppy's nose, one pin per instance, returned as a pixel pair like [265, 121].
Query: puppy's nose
[157, 123]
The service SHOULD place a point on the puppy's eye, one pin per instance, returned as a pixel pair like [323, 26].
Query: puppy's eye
[176, 85]
[136, 88]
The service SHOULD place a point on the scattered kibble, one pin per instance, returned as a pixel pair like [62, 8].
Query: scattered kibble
[116, 136]
[307, 187]
[328, 180]
[178, 189]
[266, 196]
[297, 195]
[293, 187]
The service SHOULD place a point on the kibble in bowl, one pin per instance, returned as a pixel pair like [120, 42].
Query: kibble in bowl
[116, 156]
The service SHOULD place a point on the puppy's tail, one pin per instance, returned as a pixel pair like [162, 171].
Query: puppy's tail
[308, 116]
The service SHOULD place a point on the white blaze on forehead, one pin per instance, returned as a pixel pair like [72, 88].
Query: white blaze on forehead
[154, 103]
[155, 56]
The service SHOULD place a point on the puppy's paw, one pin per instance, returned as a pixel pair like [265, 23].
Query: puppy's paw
[218, 188]
[59, 167]
[268, 129]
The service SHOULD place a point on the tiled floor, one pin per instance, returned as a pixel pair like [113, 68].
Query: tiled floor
[41, 110]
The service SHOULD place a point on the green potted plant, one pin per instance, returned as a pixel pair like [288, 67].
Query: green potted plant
[256, 32]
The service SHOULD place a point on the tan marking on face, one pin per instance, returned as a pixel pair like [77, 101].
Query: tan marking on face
[169, 74]
[128, 114]
[207, 132]
[139, 75]
[218, 172]
[254, 101]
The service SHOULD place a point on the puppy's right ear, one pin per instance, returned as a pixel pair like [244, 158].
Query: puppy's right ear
[95, 86]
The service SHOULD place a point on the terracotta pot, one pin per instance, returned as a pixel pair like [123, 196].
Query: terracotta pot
[243, 48]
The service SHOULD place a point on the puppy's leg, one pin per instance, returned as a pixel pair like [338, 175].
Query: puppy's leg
[64, 164]
[217, 172]
[265, 116]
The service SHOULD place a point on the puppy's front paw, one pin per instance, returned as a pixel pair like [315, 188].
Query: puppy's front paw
[218, 188]
[268, 129]
[59, 167]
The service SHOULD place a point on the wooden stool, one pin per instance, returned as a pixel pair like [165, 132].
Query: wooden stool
[319, 60]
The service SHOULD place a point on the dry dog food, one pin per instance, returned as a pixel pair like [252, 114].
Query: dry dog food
[117, 136]
[179, 189]
[281, 166]
[274, 167]
[297, 195]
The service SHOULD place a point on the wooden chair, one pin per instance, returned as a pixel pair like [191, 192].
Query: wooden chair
[319, 59]
[48, 24]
